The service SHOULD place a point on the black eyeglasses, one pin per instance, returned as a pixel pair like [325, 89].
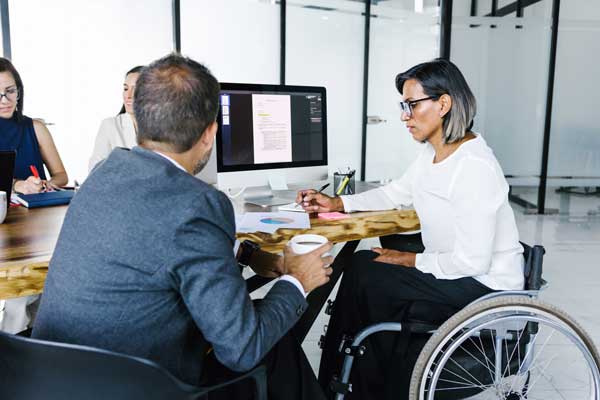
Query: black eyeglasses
[11, 94]
[407, 106]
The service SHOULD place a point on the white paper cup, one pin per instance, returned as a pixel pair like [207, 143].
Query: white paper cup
[302, 244]
[2, 206]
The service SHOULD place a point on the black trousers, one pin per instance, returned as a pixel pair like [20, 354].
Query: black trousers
[371, 292]
[289, 375]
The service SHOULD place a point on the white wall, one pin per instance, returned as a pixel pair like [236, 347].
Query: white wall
[72, 56]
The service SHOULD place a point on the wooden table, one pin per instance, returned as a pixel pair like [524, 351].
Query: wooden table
[28, 237]
[27, 240]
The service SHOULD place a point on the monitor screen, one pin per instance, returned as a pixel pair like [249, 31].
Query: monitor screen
[271, 126]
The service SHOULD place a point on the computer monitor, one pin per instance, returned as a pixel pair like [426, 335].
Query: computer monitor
[270, 135]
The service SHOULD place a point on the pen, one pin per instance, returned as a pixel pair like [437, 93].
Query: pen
[325, 186]
[35, 173]
[345, 182]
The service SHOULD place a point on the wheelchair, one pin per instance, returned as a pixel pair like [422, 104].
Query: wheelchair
[507, 345]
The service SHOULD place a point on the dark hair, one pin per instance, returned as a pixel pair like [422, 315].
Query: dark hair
[175, 100]
[6, 66]
[134, 70]
[440, 77]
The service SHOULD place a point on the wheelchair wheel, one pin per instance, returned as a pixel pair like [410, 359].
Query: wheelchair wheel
[510, 347]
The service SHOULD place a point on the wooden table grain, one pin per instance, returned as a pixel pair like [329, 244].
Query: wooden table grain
[27, 241]
[28, 238]
[356, 226]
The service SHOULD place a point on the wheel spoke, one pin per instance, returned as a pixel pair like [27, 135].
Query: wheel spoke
[511, 356]
[488, 362]
[458, 376]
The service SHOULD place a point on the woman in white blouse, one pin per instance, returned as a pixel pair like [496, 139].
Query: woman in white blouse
[470, 243]
[118, 131]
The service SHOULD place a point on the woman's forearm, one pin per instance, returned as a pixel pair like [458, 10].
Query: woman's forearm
[59, 179]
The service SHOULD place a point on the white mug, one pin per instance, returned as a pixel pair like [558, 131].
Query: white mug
[3, 206]
[302, 244]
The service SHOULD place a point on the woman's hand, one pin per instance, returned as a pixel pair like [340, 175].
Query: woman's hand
[266, 264]
[396, 257]
[312, 201]
[29, 186]
[51, 185]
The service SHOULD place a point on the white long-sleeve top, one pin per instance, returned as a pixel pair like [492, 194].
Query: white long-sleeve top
[114, 132]
[467, 226]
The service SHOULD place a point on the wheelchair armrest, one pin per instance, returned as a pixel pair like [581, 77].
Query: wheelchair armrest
[528, 293]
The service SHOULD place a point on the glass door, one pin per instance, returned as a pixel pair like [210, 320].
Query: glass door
[402, 33]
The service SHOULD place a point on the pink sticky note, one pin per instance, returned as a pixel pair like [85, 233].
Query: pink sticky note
[333, 215]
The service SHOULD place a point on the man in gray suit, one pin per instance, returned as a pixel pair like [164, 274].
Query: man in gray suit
[144, 262]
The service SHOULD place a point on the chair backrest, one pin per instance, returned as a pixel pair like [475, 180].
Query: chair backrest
[34, 369]
[534, 258]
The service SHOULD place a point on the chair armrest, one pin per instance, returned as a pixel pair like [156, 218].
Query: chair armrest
[257, 374]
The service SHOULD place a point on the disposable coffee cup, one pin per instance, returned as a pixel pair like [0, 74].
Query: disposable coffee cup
[302, 244]
[3, 206]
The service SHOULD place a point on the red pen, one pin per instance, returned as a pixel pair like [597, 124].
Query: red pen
[35, 173]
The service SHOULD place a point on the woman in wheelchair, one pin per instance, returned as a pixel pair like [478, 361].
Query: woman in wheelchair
[470, 243]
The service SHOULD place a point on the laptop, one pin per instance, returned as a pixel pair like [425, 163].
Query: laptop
[7, 169]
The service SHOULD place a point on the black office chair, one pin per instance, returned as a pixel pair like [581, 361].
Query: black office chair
[37, 369]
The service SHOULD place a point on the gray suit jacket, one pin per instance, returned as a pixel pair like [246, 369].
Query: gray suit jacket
[144, 265]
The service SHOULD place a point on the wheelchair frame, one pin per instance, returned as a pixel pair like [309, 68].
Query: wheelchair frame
[534, 283]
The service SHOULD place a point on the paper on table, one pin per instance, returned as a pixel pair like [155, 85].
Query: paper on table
[269, 222]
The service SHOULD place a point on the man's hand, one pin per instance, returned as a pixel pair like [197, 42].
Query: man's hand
[388, 256]
[311, 269]
[312, 201]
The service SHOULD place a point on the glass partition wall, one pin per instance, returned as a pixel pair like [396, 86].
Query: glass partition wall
[504, 53]
[402, 34]
[574, 159]
[354, 48]
[325, 47]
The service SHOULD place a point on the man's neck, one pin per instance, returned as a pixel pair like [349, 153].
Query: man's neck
[180, 158]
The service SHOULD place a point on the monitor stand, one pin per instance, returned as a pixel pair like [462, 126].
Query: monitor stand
[266, 197]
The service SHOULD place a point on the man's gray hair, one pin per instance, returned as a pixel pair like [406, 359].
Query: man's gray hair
[439, 77]
[175, 100]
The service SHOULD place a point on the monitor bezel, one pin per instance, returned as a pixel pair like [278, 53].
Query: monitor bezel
[227, 86]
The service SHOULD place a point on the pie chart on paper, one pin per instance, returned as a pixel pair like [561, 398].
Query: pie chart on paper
[276, 221]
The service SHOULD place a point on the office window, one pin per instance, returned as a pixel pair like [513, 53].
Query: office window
[72, 56]
[237, 39]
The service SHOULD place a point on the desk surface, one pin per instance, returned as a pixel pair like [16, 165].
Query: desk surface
[28, 238]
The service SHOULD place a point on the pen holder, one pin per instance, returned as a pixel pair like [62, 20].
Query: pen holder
[343, 184]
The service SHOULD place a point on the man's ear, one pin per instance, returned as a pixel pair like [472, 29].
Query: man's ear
[446, 104]
[208, 136]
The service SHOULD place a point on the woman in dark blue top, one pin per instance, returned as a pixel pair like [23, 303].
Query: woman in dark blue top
[30, 138]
